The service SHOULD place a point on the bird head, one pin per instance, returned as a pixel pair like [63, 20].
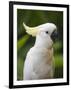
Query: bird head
[43, 30]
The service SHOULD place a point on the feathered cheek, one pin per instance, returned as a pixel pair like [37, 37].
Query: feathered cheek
[43, 34]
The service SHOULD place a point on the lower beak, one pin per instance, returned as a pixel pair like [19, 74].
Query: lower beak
[54, 35]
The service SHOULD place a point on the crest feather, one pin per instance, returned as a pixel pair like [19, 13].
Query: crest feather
[30, 30]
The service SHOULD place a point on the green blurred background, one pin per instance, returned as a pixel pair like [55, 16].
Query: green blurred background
[25, 42]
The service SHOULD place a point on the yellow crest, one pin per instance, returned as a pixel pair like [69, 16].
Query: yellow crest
[30, 30]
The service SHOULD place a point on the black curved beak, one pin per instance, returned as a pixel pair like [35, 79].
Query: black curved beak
[54, 35]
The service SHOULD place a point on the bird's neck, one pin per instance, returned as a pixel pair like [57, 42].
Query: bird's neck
[43, 42]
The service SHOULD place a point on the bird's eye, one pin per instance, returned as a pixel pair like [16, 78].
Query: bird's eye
[47, 32]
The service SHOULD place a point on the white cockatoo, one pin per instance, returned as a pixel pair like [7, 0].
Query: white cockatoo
[39, 59]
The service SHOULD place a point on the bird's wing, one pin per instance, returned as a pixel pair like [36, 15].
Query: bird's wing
[43, 64]
[28, 66]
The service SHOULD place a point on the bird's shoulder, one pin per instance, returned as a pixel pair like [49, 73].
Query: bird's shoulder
[39, 50]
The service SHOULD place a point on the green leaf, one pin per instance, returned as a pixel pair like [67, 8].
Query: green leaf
[22, 41]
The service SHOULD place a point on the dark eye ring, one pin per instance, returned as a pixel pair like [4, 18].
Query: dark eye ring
[47, 32]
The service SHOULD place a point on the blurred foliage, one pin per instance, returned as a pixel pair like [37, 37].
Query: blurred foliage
[22, 41]
[25, 42]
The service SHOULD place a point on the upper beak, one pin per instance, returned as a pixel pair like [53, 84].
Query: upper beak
[54, 35]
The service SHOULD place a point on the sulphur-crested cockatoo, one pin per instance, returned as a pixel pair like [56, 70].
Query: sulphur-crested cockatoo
[39, 59]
